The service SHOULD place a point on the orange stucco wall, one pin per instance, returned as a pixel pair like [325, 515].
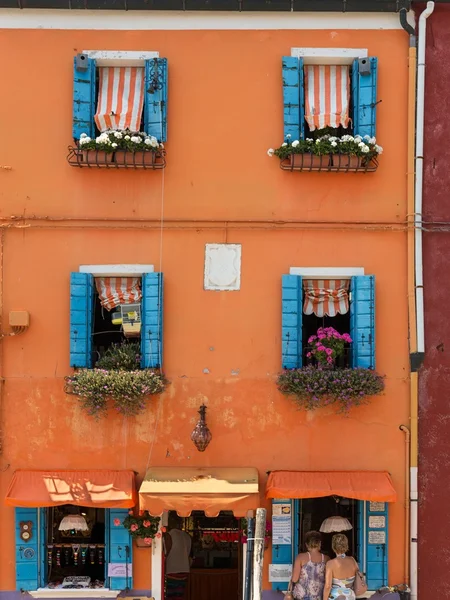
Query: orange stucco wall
[225, 110]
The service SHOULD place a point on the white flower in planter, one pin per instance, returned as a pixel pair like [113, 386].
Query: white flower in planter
[114, 145]
[118, 135]
[284, 144]
[83, 135]
[84, 140]
[270, 152]
[295, 143]
[147, 141]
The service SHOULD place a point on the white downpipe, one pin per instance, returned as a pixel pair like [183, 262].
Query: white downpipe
[418, 262]
[420, 112]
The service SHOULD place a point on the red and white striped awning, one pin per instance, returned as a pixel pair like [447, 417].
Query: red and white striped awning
[327, 96]
[113, 291]
[120, 98]
[325, 297]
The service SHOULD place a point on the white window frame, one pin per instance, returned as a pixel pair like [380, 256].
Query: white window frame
[116, 270]
[329, 56]
[120, 58]
[327, 272]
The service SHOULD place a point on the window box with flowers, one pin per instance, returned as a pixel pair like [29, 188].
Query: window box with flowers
[116, 380]
[321, 383]
[143, 528]
[118, 149]
[329, 153]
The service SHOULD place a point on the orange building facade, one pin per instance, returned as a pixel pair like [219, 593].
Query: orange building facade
[223, 224]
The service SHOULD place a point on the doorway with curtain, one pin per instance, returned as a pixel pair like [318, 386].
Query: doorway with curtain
[215, 558]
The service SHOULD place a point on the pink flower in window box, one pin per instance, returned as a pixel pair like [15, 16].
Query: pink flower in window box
[117, 522]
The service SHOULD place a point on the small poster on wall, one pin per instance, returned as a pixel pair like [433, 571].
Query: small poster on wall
[120, 570]
[280, 573]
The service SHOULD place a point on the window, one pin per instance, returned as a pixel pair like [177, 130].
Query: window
[359, 320]
[109, 309]
[340, 96]
[54, 554]
[144, 85]
[368, 538]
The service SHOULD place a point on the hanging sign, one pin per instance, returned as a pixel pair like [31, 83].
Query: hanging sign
[280, 573]
[120, 570]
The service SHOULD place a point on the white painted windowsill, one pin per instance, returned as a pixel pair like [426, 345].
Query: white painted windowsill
[80, 593]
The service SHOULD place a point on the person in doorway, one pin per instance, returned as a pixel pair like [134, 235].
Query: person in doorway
[308, 574]
[177, 549]
[340, 572]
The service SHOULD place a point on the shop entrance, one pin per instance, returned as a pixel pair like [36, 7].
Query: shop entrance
[312, 512]
[215, 558]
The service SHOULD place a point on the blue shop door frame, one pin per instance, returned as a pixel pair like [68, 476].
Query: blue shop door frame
[282, 536]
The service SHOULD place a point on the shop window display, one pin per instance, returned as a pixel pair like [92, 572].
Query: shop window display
[75, 547]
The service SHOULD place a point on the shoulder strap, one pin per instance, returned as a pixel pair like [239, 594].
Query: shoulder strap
[309, 556]
[322, 557]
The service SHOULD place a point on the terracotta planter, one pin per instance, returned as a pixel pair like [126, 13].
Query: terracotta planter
[310, 161]
[96, 157]
[139, 542]
[134, 158]
[346, 161]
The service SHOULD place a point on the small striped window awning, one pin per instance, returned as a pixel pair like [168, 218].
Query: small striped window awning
[325, 297]
[327, 96]
[120, 98]
[114, 291]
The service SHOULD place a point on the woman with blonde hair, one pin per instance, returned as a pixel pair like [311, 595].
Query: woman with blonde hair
[308, 574]
[340, 571]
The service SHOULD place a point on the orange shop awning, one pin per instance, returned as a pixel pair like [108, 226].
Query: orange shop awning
[99, 489]
[361, 485]
[210, 489]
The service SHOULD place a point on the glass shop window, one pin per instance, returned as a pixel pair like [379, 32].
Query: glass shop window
[75, 547]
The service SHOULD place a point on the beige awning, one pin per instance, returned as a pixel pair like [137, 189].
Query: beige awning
[210, 489]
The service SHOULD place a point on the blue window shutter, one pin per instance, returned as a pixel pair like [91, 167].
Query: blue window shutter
[81, 319]
[364, 97]
[27, 572]
[293, 97]
[155, 99]
[282, 553]
[120, 546]
[362, 321]
[152, 320]
[376, 551]
[291, 321]
[83, 97]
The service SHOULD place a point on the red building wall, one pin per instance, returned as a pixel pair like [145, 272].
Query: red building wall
[434, 377]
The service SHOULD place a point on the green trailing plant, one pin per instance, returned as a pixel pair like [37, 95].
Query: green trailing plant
[116, 378]
[125, 356]
[314, 387]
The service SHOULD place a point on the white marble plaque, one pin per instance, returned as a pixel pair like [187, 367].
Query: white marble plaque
[222, 267]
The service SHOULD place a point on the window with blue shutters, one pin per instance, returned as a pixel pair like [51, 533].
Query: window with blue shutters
[98, 319]
[359, 322]
[85, 87]
[363, 99]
